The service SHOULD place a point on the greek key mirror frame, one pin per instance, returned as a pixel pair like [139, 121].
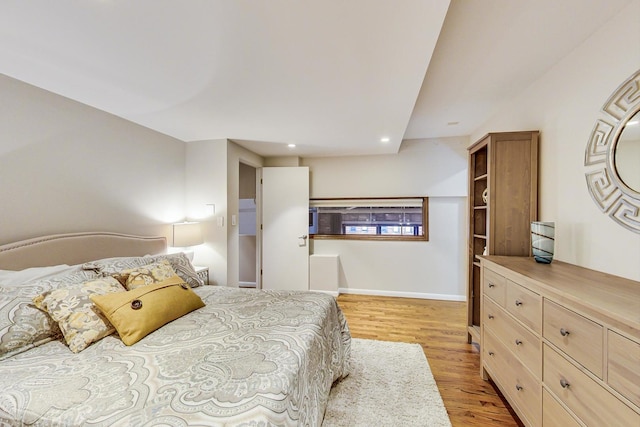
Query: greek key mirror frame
[608, 191]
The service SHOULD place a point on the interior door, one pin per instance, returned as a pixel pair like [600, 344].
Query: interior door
[285, 228]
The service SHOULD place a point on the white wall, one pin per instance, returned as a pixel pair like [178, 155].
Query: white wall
[67, 167]
[212, 177]
[564, 105]
[435, 168]
[206, 184]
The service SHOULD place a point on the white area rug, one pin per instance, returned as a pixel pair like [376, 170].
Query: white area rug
[390, 384]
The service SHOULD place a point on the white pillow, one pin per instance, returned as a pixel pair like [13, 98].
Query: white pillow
[11, 278]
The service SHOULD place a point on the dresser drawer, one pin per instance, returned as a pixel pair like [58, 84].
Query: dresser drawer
[493, 357]
[575, 335]
[494, 285]
[554, 414]
[524, 344]
[523, 390]
[584, 396]
[623, 366]
[525, 305]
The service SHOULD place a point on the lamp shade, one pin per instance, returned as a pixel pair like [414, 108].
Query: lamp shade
[187, 234]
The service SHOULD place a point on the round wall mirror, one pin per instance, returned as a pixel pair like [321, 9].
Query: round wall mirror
[612, 156]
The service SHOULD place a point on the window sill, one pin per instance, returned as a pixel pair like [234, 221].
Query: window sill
[372, 237]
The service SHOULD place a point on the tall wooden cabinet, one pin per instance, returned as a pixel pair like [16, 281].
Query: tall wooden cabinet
[503, 200]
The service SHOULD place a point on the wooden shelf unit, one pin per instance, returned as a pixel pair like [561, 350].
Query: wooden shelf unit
[506, 164]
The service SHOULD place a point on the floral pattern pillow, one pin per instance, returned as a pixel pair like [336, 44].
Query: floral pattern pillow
[112, 266]
[146, 275]
[80, 321]
[22, 326]
[183, 267]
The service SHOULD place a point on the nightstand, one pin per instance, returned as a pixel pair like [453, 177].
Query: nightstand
[203, 273]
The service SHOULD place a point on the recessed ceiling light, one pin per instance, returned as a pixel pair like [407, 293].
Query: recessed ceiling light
[291, 145]
[385, 139]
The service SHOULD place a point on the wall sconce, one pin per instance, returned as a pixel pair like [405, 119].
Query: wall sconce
[187, 234]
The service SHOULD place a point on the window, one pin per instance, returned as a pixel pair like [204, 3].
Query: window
[369, 219]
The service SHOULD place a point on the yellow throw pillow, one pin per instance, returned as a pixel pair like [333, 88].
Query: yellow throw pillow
[137, 313]
[156, 272]
[71, 307]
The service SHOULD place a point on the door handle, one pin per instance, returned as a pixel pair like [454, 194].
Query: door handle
[302, 240]
[303, 237]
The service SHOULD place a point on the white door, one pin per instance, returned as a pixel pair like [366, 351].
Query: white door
[285, 228]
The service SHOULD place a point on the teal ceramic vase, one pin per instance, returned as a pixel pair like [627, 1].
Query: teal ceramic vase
[542, 241]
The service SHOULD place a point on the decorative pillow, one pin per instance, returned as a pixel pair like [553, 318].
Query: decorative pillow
[72, 308]
[146, 275]
[22, 326]
[179, 262]
[111, 266]
[183, 267]
[137, 313]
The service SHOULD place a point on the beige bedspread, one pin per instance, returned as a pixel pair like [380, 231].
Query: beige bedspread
[249, 358]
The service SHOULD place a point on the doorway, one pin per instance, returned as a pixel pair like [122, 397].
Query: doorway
[247, 227]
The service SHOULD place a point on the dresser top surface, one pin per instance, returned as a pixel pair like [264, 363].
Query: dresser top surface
[613, 296]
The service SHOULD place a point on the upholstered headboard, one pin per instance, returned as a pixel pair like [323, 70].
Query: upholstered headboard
[76, 248]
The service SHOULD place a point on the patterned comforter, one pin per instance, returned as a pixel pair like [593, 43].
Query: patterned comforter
[248, 358]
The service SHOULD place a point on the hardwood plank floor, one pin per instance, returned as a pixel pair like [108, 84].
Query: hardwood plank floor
[440, 327]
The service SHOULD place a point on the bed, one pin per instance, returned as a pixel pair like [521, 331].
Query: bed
[246, 358]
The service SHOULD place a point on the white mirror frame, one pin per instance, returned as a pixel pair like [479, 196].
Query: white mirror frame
[608, 191]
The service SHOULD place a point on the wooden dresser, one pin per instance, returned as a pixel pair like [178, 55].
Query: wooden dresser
[561, 342]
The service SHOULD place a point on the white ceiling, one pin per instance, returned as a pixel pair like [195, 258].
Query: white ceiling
[332, 76]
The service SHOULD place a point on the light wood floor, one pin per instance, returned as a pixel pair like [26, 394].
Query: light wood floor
[440, 327]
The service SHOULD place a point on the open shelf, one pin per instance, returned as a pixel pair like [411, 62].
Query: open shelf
[474, 332]
[502, 203]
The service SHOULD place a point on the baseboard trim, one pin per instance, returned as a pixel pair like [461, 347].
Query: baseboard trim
[332, 293]
[419, 295]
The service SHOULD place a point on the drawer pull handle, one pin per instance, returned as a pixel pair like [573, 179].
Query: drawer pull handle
[491, 316]
[564, 383]
[518, 387]
[491, 285]
[491, 353]
[564, 332]
[518, 342]
[518, 303]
